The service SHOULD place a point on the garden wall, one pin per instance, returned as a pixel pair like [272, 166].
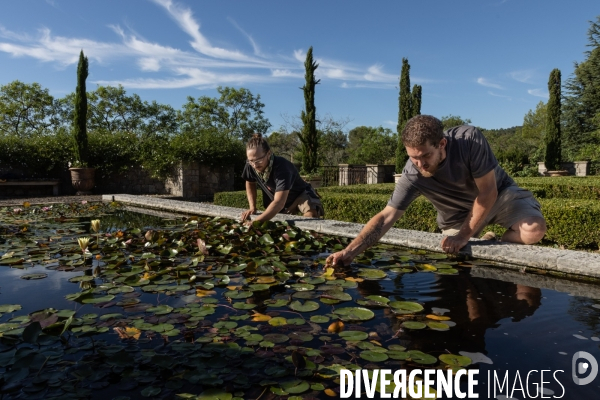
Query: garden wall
[189, 181]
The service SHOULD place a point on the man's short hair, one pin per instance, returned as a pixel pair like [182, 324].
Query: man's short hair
[421, 129]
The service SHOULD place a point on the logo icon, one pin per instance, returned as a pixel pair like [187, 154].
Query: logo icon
[579, 368]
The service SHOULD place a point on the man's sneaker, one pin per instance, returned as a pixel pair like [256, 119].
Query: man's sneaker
[489, 236]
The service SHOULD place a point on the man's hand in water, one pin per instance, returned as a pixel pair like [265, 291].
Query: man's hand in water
[246, 215]
[341, 258]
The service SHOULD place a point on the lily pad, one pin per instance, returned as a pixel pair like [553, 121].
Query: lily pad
[354, 313]
[454, 360]
[413, 325]
[405, 307]
[373, 356]
[308, 306]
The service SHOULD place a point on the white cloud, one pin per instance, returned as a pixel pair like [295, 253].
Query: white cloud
[149, 64]
[524, 76]
[286, 73]
[538, 93]
[202, 65]
[486, 83]
[499, 95]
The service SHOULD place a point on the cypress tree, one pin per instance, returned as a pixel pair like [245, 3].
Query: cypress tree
[309, 137]
[552, 136]
[80, 113]
[416, 100]
[404, 113]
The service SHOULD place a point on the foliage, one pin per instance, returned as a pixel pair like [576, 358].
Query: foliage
[80, 115]
[552, 157]
[237, 113]
[415, 101]
[368, 145]
[450, 121]
[513, 150]
[404, 113]
[309, 137]
[581, 102]
[27, 109]
[333, 141]
[285, 145]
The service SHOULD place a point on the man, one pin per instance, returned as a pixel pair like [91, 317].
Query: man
[283, 189]
[457, 171]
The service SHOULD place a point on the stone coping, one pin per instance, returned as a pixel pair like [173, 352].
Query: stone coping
[564, 263]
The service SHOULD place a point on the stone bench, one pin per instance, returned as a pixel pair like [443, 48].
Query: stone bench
[54, 184]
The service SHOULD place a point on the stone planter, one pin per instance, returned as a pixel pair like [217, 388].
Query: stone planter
[315, 181]
[561, 172]
[82, 180]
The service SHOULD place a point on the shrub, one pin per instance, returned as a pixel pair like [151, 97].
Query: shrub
[560, 214]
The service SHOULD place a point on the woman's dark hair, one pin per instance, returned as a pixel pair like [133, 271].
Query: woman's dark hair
[258, 141]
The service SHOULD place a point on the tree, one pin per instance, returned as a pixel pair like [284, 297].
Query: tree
[309, 137]
[415, 105]
[552, 157]
[533, 131]
[369, 145]
[450, 121]
[581, 102]
[333, 141]
[80, 113]
[284, 144]
[27, 109]
[237, 113]
[409, 105]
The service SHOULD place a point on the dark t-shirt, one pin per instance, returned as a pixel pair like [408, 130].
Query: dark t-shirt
[452, 189]
[284, 176]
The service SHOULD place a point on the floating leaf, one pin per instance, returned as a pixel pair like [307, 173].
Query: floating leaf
[438, 317]
[405, 307]
[373, 356]
[34, 276]
[421, 358]
[354, 335]
[354, 314]
[258, 317]
[438, 326]
[413, 325]
[372, 274]
[454, 360]
[319, 319]
[277, 321]
[308, 306]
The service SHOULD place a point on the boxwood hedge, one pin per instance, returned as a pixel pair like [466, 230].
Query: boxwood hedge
[572, 223]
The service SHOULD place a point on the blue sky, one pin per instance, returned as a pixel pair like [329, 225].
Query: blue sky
[486, 60]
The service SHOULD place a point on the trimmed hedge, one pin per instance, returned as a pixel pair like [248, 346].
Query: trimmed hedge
[571, 223]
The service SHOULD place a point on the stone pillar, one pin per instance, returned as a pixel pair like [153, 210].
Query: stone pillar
[542, 168]
[344, 179]
[374, 175]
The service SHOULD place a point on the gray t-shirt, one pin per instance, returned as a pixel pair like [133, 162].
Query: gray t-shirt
[452, 189]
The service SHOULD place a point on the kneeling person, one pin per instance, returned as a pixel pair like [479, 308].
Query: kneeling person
[284, 191]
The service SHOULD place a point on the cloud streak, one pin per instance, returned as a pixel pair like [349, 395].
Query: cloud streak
[538, 93]
[201, 64]
[487, 83]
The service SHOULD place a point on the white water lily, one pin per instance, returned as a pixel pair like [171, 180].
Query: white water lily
[95, 225]
[83, 242]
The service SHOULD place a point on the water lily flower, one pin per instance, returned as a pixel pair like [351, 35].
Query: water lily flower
[17, 210]
[83, 242]
[83, 201]
[95, 225]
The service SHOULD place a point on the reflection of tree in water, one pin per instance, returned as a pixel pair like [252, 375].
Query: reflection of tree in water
[582, 310]
[475, 304]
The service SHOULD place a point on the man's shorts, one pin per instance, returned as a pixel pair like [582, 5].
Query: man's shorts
[512, 205]
[305, 203]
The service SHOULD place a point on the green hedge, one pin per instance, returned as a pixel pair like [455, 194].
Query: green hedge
[566, 187]
[571, 223]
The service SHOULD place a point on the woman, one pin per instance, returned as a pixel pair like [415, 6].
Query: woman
[284, 191]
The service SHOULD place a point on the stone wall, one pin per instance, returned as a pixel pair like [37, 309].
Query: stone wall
[189, 181]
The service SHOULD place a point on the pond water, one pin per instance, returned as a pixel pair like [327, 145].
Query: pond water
[203, 308]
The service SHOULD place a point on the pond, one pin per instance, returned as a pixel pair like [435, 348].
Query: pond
[199, 307]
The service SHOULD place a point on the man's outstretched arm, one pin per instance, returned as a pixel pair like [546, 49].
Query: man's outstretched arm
[368, 236]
